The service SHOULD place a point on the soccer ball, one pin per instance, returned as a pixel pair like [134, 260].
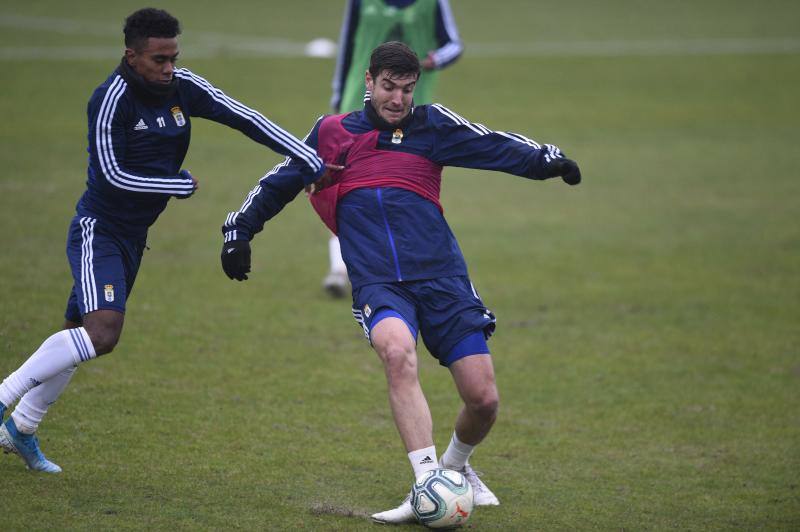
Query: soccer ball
[442, 498]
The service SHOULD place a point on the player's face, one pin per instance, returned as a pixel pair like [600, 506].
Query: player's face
[155, 61]
[391, 95]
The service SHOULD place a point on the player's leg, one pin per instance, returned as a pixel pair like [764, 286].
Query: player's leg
[64, 349]
[100, 312]
[474, 378]
[43, 377]
[33, 406]
[396, 347]
[336, 282]
[387, 312]
[97, 306]
[51, 365]
[455, 326]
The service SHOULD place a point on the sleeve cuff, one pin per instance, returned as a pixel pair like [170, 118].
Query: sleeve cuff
[235, 234]
[312, 177]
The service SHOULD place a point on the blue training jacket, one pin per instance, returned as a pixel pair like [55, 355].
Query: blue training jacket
[136, 148]
[391, 234]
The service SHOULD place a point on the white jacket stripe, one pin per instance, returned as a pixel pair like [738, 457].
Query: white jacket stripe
[520, 138]
[266, 126]
[552, 151]
[108, 162]
[477, 128]
[450, 51]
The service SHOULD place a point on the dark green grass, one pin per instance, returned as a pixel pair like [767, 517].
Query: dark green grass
[647, 349]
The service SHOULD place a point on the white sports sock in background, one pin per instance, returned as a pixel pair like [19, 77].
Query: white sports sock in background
[335, 252]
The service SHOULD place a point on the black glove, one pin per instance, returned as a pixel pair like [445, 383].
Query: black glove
[236, 259]
[186, 175]
[567, 169]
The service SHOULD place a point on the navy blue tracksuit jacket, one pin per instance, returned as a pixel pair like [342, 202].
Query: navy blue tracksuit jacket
[136, 149]
[389, 233]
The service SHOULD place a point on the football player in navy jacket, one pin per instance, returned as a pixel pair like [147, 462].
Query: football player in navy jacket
[408, 274]
[139, 129]
[428, 27]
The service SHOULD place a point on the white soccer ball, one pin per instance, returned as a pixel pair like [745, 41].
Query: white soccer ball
[442, 498]
[320, 48]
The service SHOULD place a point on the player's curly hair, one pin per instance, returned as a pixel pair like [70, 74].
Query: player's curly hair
[149, 22]
[396, 58]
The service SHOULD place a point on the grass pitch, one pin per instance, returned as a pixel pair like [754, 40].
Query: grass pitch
[647, 345]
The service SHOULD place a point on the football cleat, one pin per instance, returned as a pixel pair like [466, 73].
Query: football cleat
[396, 516]
[336, 284]
[26, 446]
[483, 495]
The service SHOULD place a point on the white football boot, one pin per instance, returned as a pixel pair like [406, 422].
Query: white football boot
[396, 516]
[483, 495]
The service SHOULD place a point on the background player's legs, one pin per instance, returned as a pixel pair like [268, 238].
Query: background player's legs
[335, 283]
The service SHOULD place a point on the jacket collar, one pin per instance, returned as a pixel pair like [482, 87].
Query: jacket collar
[379, 123]
[149, 92]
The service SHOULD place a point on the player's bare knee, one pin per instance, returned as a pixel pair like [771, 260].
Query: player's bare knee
[103, 340]
[484, 405]
[104, 331]
[400, 362]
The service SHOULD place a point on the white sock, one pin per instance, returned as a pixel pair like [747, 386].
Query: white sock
[423, 460]
[457, 454]
[63, 350]
[33, 406]
[335, 252]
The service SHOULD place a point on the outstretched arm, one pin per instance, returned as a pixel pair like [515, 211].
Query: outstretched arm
[460, 142]
[211, 103]
[272, 193]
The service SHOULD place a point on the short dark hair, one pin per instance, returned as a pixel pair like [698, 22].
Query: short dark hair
[149, 22]
[396, 58]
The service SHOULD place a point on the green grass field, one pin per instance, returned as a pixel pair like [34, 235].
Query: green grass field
[648, 344]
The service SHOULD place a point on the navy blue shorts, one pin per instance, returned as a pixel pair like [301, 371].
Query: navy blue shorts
[104, 267]
[447, 312]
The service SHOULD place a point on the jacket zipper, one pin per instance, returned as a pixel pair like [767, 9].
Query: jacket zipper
[389, 234]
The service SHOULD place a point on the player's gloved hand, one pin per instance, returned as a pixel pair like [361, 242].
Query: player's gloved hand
[325, 180]
[567, 169]
[236, 259]
[186, 175]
